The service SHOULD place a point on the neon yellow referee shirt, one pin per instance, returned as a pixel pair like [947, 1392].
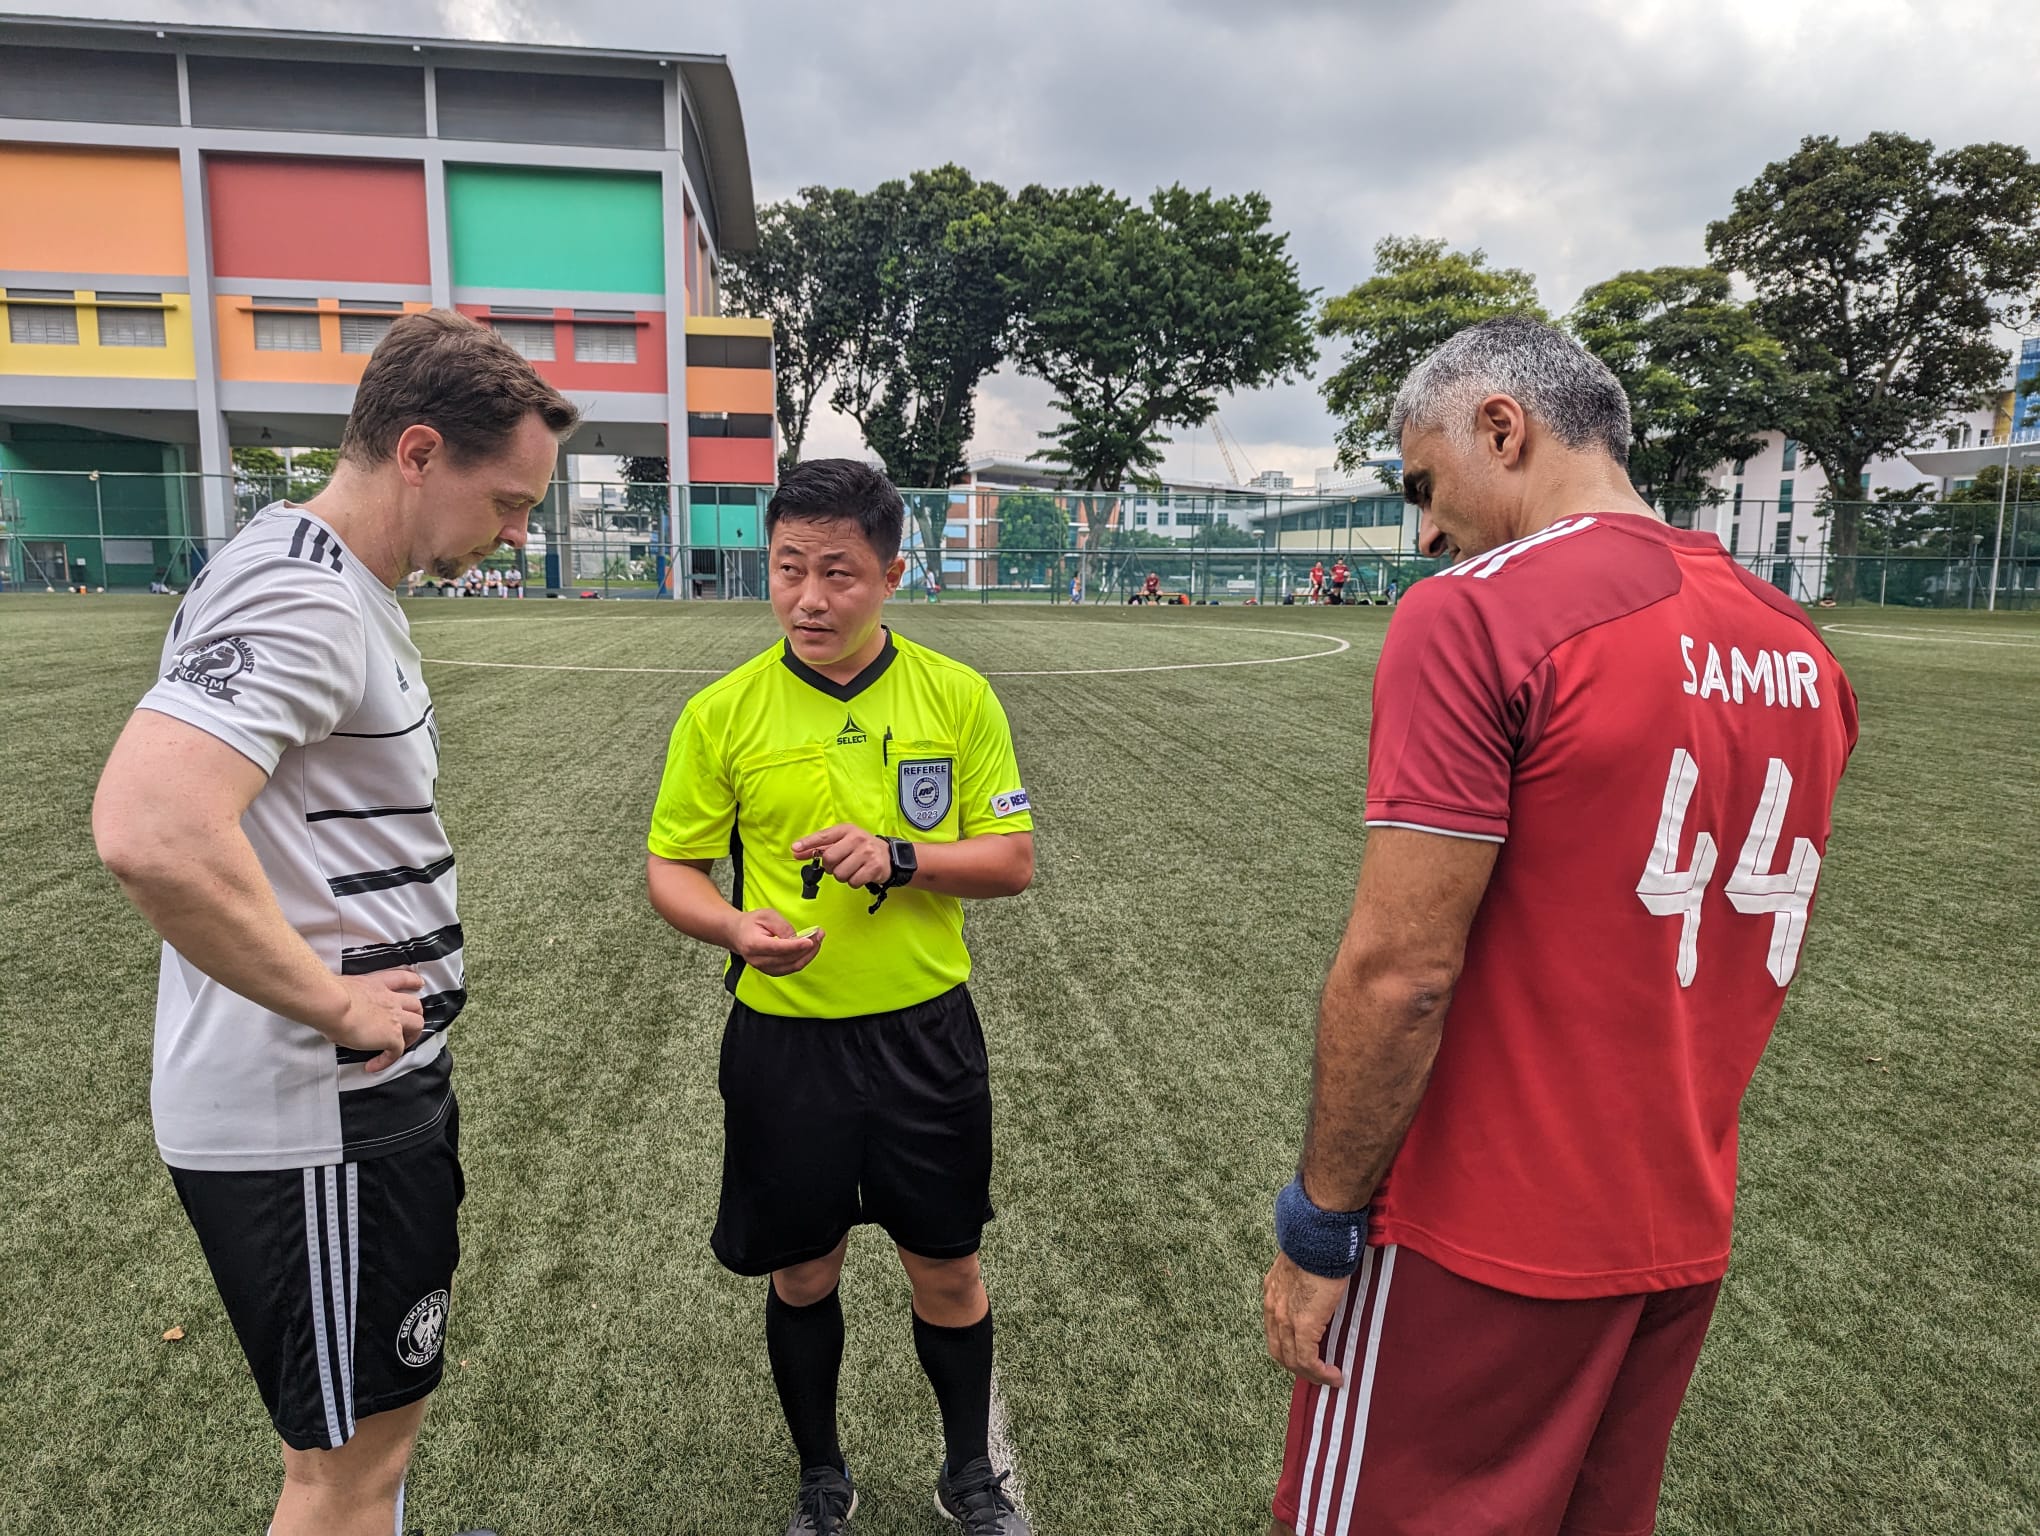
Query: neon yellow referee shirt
[915, 746]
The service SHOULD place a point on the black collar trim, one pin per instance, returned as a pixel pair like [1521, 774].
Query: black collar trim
[835, 690]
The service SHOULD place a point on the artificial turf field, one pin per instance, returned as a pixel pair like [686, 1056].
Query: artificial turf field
[1874, 1365]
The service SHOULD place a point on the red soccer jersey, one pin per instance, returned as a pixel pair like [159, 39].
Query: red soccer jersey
[1655, 738]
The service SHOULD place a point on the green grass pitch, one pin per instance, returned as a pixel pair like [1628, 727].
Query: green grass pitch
[1873, 1367]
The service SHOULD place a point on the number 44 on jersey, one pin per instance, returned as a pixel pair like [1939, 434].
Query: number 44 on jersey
[1754, 886]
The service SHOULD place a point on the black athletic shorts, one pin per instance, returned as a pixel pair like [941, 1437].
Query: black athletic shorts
[885, 1118]
[337, 1279]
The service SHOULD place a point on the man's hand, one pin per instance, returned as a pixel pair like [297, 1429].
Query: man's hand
[766, 942]
[383, 1015]
[1296, 1308]
[854, 856]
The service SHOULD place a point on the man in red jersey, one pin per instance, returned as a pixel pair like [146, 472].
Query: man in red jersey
[1599, 788]
[1317, 582]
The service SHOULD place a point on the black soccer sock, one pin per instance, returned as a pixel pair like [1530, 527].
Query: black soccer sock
[805, 1346]
[959, 1366]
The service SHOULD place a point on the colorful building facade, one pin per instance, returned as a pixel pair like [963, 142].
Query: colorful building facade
[204, 231]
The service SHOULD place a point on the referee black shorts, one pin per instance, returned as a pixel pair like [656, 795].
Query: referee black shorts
[827, 1123]
[337, 1279]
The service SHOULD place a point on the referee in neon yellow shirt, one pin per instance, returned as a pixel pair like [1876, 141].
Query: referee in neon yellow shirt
[862, 787]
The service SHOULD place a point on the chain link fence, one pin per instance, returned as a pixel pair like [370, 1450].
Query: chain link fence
[119, 531]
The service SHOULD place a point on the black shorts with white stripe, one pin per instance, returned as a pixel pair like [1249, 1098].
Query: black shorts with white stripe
[338, 1280]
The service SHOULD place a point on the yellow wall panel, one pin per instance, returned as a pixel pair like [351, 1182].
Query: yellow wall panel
[89, 360]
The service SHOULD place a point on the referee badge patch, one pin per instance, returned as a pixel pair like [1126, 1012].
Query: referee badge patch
[925, 790]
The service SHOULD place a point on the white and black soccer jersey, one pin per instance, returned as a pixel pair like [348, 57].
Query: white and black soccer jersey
[287, 649]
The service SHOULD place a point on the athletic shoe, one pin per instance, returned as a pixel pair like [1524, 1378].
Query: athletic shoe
[827, 1501]
[976, 1499]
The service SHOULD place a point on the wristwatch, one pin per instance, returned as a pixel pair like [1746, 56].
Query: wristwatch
[904, 862]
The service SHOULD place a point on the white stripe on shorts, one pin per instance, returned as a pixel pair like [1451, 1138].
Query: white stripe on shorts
[335, 1437]
[1331, 1468]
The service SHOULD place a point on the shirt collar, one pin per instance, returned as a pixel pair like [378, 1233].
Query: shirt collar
[843, 692]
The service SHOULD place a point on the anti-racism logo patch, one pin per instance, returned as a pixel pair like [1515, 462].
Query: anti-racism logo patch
[210, 667]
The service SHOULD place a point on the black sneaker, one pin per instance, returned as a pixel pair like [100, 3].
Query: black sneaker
[976, 1499]
[827, 1501]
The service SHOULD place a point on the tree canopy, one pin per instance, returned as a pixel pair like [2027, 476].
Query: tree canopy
[1882, 268]
[1704, 381]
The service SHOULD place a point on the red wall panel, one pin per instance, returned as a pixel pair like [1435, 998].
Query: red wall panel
[729, 460]
[646, 376]
[318, 220]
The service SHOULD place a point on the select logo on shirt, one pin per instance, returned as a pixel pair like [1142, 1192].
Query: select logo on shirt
[925, 791]
[212, 666]
[852, 734]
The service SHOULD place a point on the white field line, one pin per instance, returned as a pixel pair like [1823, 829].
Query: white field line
[1338, 645]
[1004, 1457]
[1900, 634]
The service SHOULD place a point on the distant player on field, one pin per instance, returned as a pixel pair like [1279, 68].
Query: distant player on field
[1317, 582]
[1151, 589]
[862, 787]
[1599, 788]
[1341, 573]
[270, 809]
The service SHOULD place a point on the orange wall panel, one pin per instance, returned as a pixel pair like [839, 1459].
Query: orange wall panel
[91, 210]
[740, 391]
[729, 460]
[239, 358]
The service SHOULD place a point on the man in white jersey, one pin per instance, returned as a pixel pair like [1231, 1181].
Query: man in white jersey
[270, 809]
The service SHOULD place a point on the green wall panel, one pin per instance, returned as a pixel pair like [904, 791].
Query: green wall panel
[585, 231]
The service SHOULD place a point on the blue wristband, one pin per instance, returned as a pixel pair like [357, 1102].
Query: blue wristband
[1324, 1243]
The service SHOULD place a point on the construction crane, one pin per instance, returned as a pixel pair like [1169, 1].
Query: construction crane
[1220, 431]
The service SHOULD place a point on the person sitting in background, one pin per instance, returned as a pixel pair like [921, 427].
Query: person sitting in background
[513, 582]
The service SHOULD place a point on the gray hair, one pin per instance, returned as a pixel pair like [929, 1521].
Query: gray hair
[1554, 378]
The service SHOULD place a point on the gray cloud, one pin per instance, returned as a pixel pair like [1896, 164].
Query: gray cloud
[1572, 137]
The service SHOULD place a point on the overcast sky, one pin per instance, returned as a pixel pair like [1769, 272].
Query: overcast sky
[1575, 138]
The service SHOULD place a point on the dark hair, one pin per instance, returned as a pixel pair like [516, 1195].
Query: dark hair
[820, 490]
[441, 370]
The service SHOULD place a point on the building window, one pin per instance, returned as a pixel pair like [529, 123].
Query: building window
[1738, 500]
[1140, 517]
[1785, 498]
[612, 343]
[43, 325]
[1161, 519]
[287, 333]
[1781, 539]
[1739, 463]
[528, 338]
[362, 331]
[131, 327]
[1791, 454]
[1734, 536]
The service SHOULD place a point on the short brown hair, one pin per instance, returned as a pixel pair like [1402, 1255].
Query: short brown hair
[441, 370]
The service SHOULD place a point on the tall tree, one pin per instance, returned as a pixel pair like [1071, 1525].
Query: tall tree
[1033, 531]
[1704, 381]
[1882, 267]
[645, 493]
[1140, 316]
[799, 279]
[921, 277]
[1420, 295]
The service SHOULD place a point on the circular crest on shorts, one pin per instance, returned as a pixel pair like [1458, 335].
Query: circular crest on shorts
[424, 1331]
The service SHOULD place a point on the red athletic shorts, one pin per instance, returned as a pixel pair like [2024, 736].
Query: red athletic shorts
[1468, 1411]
